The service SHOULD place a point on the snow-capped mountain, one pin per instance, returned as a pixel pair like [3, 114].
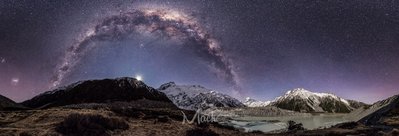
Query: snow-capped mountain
[192, 97]
[255, 103]
[306, 101]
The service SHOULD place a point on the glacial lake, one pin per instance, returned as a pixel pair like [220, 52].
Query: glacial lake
[269, 124]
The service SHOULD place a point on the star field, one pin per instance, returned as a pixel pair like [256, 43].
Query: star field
[258, 49]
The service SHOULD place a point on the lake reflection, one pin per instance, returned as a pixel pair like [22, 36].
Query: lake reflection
[269, 124]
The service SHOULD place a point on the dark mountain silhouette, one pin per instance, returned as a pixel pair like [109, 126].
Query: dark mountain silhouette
[97, 91]
[8, 104]
[386, 112]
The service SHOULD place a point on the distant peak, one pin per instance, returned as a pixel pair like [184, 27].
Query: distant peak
[166, 85]
[170, 83]
[197, 86]
[248, 98]
[300, 89]
[306, 93]
[297, 90]
[129, 80]
[126, 78]
[255, 103]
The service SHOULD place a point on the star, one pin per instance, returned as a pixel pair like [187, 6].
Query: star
[2, 60]
[138, 77]
[14, 81]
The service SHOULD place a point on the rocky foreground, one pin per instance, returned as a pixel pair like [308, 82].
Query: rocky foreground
[141, 117]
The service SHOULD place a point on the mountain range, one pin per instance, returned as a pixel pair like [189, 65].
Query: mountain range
[129, 97]
[188, 97]
[193, 97]
[97, 91]
[302, 100]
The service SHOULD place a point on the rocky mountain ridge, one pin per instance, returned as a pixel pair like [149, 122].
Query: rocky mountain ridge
[97, 91]
[192, 97]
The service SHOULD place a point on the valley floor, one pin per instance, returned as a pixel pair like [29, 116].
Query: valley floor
[76, 120]
[133, 119]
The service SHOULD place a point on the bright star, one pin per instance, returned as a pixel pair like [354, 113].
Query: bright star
[2, 60]
[139, 78]
[14, 81]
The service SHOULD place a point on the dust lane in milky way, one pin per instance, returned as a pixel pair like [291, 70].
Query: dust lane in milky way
[165, 23]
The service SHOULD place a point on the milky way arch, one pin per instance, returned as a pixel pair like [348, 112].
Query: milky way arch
[167, 24]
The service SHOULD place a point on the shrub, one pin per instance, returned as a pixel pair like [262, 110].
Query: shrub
[293, 126]
[89, 125]
[348, 125]
[201, 132]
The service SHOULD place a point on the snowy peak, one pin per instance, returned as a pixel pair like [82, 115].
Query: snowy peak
[303, 93]
[297, 91]
[192, 97]
[248, 99]
[167, 85]
[300, 99]
[254, 103]
[306, 94]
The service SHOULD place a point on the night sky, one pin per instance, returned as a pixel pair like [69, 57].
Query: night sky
[243, 48]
